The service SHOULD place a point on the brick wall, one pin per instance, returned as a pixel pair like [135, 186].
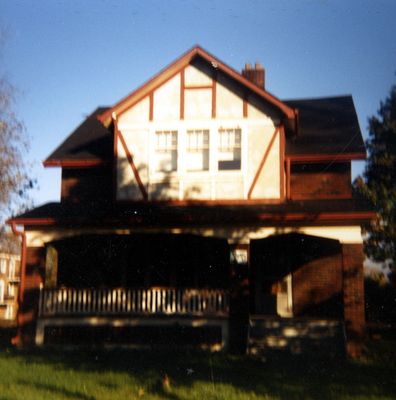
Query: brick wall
[27, 315]
[353, 284]
[320, 181]
[317, 288]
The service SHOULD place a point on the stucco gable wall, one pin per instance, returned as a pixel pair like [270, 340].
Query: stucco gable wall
[196, 98]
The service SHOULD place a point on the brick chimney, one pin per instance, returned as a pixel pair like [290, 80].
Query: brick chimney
[255, 75]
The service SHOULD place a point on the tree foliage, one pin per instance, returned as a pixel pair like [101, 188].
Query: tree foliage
[379, 182]
[14, 174]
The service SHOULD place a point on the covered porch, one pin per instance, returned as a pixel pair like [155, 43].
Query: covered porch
[243, 251]
[141, 280]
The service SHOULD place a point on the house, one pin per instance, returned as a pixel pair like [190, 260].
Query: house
[9, 282]
[200, 208]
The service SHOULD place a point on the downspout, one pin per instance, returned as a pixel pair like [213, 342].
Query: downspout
[17, 339]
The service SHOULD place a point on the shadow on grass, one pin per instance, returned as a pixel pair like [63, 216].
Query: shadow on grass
[281, 376]
[55, 390]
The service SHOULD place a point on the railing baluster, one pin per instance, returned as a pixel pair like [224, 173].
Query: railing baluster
[66, 301]
[80, 300]
[179, 306]
[128, 300]
[133, 304]
[100, 300]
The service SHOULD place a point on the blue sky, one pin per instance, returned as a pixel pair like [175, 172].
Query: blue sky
[68, 57]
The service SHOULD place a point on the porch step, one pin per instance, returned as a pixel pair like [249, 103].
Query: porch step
[296, 336]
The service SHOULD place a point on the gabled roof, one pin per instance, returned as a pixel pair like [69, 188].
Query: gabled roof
[326, 126]
[89, 144]
[176, 67]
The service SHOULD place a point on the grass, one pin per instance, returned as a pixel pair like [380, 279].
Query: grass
[83, 374]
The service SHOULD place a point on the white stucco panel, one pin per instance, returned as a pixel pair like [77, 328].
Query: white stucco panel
[198, 104]
[228, 103]
[194, 77]
[167, 100]
[136, 141]
[267, 185]
[136, 114]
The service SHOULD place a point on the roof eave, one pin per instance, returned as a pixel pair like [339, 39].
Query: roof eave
[340, 157]
[73, 163]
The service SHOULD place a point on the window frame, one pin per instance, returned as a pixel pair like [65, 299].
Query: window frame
[170, 147]
[200, 146]
[231, 145]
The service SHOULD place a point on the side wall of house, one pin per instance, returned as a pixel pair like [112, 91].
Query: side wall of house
[329, 180]
[86, 184]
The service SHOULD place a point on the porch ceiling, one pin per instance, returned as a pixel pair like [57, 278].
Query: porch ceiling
[150, 214]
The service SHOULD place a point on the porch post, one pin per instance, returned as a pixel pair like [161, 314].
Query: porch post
[40, 331]
[28, 308]
[239, 297]
[353, 294]
[51, 267]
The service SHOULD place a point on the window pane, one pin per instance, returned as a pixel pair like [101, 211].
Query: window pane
[3, 265]
[166, 151]
[197, 150]
[229, 153]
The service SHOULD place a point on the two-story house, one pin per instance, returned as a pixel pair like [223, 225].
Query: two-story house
[9, 285]
[196, 209]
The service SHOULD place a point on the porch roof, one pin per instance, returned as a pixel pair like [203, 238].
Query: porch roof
[147, 214]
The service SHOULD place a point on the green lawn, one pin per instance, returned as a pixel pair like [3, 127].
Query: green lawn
[126, 374]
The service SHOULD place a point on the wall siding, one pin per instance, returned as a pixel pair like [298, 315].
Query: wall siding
[84, 185]
[320, 181]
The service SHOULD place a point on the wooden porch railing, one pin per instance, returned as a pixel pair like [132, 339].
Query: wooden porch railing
[151, 301]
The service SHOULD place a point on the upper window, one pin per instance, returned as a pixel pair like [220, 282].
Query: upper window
[9, 312]
[229, 154]
[10, 290]
[166, 151]
[3, 265]
[197, 150]
[11, 269]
